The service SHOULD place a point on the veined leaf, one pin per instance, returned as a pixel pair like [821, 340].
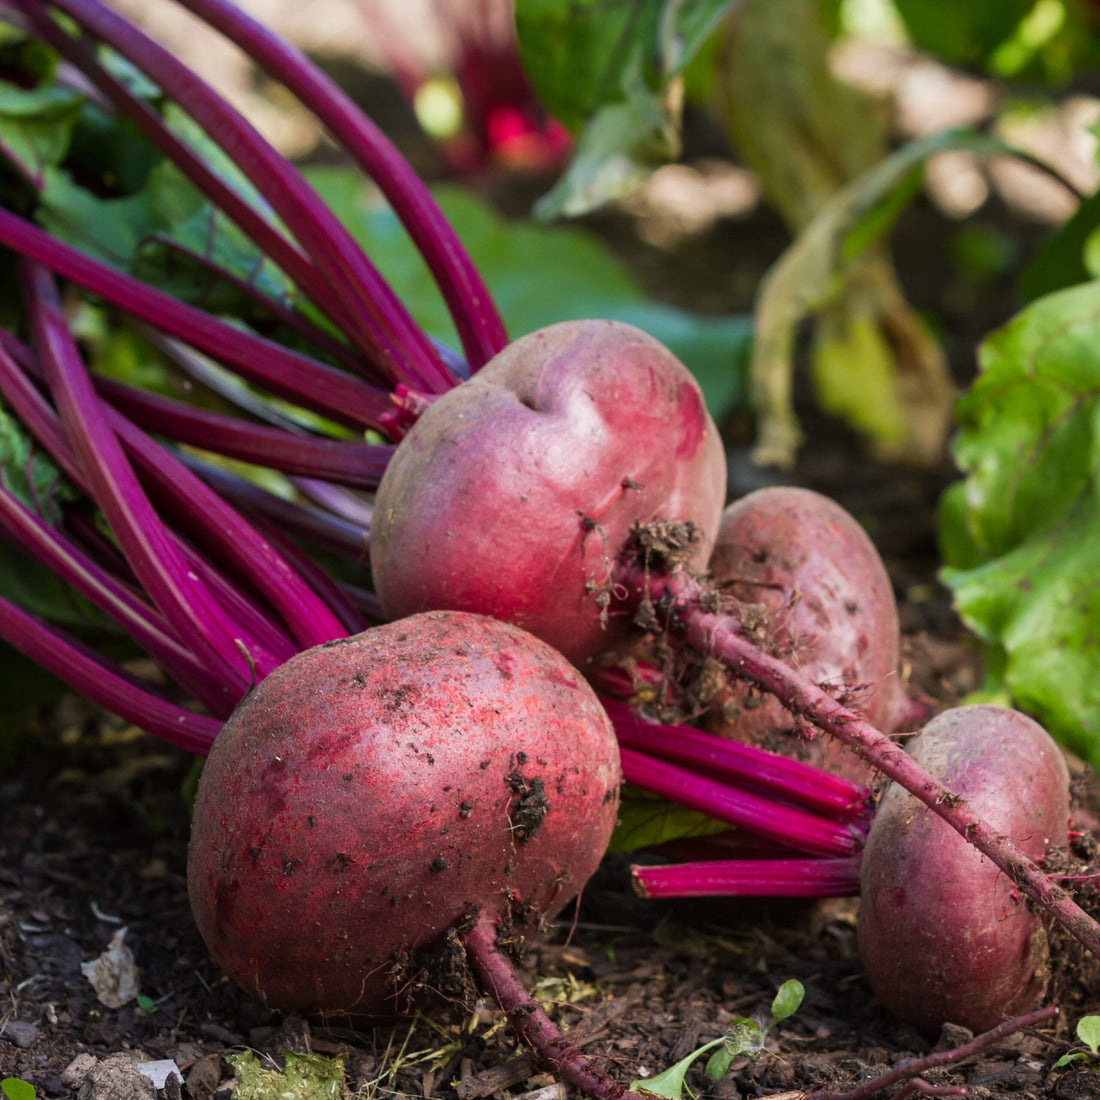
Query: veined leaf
[646, 821]
[578, 53]
[609, 71]
[36, 125]
[1020, 537]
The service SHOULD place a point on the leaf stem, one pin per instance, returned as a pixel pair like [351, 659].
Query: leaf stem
[471, 305]
[284, 372]
[767, 878]
[799, 829]
[104, 683]
[377, 321]
[810, 787]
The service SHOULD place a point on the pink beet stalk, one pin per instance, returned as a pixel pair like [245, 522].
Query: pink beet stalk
[105, 684]
[378, 321]
[718, 635]
[743, 878]
[764, 816]
[745, 765]
[471, 306]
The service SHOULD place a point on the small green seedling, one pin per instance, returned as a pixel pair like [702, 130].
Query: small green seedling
[1088, 1031]
[744, 1038]
[15, 1088]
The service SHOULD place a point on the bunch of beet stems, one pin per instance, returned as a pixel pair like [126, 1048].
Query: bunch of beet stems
[817, 813]
[219, 600]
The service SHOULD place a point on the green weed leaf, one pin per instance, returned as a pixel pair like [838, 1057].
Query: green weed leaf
[1088, 1031]
[671, 1084]
[1067, 1058]
[787, 1001]
[744, 1037]
[15, 1088]
[718, 1063]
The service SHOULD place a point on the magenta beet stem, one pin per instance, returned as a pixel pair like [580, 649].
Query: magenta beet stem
[105, 683]
[796, 781]
[762, 878]
[528, 1019]
[758, 814]
[468, 299]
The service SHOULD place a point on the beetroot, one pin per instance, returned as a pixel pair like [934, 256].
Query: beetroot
[514, 493]
[374, 794]
[819, 594]
[943, 933]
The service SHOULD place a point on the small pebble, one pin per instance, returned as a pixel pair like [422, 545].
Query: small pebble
[72, 1076]
[19, 1032]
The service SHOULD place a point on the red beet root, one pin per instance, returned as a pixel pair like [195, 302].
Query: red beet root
[944, 934]
[514, 494]
[822, 597]
[373, 794]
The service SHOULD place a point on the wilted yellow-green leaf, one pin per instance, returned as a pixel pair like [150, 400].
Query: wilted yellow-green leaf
[306, 1077]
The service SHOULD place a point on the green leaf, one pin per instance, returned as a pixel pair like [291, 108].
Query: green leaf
[645, 821]
[971, 34]
[35, 126]
[744, 1037]
[31, 477]
[1088, 1031]
[787, 1001]
[615, 153]
[574, 277]
[607, 71]
[670, 1083]
[154, 233]
[15, 1088]
[718, 1063]
[1067, 1058]
[805, 281]
[306, 1077]
[1024, 578]
[1059, 262]
[580, 54]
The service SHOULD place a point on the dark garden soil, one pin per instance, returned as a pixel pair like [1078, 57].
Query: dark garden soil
[93, 831]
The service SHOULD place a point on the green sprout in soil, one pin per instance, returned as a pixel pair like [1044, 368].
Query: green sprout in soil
[745, 1038]
[15, 1088]
[1088, 1031]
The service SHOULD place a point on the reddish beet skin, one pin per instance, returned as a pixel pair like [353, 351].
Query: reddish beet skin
[822, 598]
[514, 494]
[372, 793]
[944, 934]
